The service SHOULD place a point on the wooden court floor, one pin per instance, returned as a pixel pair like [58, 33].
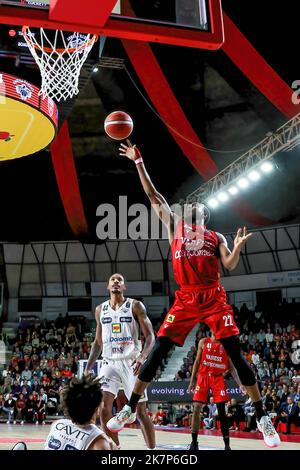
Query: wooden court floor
[131, 439]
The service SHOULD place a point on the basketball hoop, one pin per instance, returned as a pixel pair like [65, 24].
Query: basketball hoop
[60, 58]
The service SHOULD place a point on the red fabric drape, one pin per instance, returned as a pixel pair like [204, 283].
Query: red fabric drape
[67, 181]
[257, 70]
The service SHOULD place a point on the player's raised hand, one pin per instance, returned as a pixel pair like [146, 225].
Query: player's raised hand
[242, 236]
[128, 150]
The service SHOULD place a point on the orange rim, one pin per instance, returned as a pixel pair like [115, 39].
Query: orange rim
[58, 51]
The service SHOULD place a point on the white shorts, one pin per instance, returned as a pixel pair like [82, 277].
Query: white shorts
[116, 375]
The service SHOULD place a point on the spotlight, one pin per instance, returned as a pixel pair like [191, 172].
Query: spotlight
[254, 175]
[243, 183]
[233, 190]
[95, 69]
[213, 203]
[267, 167]
[223, 197]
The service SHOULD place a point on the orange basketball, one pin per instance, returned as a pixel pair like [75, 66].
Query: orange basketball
[118, 125]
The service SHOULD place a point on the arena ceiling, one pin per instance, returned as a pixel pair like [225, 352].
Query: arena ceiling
[227, 111]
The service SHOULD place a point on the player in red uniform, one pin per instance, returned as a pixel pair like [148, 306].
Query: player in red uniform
[210, 367]
[196, 252]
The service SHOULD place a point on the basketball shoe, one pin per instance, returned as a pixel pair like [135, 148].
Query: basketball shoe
[125, 416]
[265, 426]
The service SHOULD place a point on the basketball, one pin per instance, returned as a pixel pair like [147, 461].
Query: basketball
[118, 125]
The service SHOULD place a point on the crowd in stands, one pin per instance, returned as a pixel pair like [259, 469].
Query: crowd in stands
[268, 337]
[44, 358]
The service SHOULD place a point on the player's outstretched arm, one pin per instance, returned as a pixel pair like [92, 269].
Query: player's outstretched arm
[96, 348]
[158, 202]
[196, 365]
[140, 314]
[230, 259]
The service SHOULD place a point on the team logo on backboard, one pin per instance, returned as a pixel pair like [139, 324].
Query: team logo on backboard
[170, 318]
[24, 89]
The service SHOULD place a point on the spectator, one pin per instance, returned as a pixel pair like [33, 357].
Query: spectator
[235, 414]
[26, 374]
[6, 410]
[269, 336]
[67, 373]
[180, 413]
[255, 358]
[10, 405]
[261, 336]
[160, 417]
[250, 416]
[40, 408]
[26, 388]
[288, 413]
[210, 420]
[35, 384]
[19, 412]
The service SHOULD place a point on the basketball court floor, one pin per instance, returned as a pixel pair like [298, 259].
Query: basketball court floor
[132, 439]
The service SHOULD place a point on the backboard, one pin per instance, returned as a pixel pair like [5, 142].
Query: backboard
[189, 23]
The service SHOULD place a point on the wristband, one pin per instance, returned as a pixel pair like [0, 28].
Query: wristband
[138, 161]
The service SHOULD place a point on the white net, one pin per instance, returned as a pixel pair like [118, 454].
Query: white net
[60, 56]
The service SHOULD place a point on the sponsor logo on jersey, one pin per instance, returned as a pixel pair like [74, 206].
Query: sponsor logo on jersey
[127, 304]
[106, 320]
[126, 319]
[170, 318]
[197, 388]
[122, 339]
[116, 328]
[54, 444]
[70, 430]
[69, 447]
[119, 350]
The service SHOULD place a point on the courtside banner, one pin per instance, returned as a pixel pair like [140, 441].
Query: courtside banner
[176, 392]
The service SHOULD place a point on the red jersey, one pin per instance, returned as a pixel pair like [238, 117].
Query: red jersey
[214, 359]
[195, 259]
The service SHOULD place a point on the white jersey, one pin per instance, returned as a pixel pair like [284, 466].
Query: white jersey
[120, 332]
[65, 435]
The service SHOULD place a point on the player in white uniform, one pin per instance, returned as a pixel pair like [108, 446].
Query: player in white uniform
[119, 321]
[81, 402]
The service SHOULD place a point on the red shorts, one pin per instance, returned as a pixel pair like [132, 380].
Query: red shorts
[193, 306]
[215, 383]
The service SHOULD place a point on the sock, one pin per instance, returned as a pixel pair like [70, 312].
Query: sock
[194, 437]
[134, 399]
[226, 441]
[260, 412]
